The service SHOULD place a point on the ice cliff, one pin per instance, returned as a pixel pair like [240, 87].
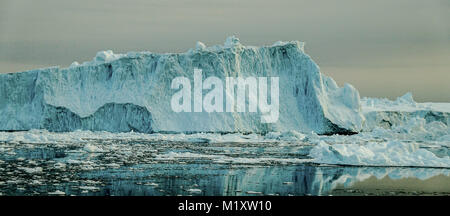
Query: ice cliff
[131, 92]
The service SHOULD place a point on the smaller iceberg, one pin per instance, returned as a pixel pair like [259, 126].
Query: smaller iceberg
[391, 153]
[382, 112]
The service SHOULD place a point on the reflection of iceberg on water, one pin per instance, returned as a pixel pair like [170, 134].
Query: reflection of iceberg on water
[308, 180]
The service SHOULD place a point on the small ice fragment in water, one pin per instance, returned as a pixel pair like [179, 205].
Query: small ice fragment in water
[253, 192]
[31, 170]
[57, 192]
[92, 148]
[194, 190]
[89, 188]
[59, 165]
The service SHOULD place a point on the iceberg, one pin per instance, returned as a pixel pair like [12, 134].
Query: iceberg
[131, 92]
[385, 113]
[392, 153]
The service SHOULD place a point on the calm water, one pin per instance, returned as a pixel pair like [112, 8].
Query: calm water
[118, 167]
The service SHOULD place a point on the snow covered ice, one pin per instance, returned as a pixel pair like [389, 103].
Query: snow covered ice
[386, 113]
[392, 153]
[131, 92]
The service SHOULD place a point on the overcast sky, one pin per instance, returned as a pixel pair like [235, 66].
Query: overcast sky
[384, 48]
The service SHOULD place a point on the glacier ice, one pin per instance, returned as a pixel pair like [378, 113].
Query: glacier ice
[390, 114]
[131, 92]
[392, 153]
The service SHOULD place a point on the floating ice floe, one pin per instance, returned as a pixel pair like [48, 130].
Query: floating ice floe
[32, 170]
[194, 190]
[57, 192]
[392, 153]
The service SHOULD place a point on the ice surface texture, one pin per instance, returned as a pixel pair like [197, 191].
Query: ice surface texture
[131, 92]
[389, 114]
[392, 153]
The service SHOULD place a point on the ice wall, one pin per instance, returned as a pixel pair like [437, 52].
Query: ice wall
[132, 91]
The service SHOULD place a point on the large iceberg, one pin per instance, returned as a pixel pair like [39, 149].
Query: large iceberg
[131, 92]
